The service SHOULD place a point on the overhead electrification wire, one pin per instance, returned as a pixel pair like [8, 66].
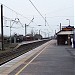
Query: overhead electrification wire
[38, 12]
[23, 15]
[17, 13]
[36, 9]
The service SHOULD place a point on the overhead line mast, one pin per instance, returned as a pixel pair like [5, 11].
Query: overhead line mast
[38, 12]
[2, 27]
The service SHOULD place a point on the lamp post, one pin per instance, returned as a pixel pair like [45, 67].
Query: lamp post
[69, 21]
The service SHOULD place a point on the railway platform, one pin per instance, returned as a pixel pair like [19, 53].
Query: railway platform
[47, 59]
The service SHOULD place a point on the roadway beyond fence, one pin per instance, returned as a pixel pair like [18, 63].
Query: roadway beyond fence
[48, 59]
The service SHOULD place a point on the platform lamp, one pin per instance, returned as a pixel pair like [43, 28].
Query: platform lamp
[69, 21]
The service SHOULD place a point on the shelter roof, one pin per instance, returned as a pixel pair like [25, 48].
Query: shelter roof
[65, 33]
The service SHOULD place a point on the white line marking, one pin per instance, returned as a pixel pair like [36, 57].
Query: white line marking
[29, 62]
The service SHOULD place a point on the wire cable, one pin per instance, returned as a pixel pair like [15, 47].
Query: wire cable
[38, 11]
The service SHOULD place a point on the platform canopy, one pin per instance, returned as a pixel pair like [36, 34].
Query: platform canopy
[65, 33]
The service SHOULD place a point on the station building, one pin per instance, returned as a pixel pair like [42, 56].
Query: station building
[65, 35]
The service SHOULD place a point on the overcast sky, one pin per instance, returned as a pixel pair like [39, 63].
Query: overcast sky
[55, 11]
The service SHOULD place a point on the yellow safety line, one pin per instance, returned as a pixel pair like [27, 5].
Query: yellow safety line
[28, 63]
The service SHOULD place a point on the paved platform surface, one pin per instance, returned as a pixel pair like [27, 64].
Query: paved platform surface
[48, 59]
[6, 68]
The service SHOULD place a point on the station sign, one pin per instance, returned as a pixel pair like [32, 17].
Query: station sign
[68, 28]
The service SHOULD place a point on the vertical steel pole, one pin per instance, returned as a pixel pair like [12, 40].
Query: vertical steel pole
[25, 32]
[2, 27]
[10, 31]
[60, 26]
[45, 19]
[55, 32]
[25, 29]
[69, 22]
[39, 32]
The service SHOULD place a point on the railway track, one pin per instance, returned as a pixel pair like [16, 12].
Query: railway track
[9, 55]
